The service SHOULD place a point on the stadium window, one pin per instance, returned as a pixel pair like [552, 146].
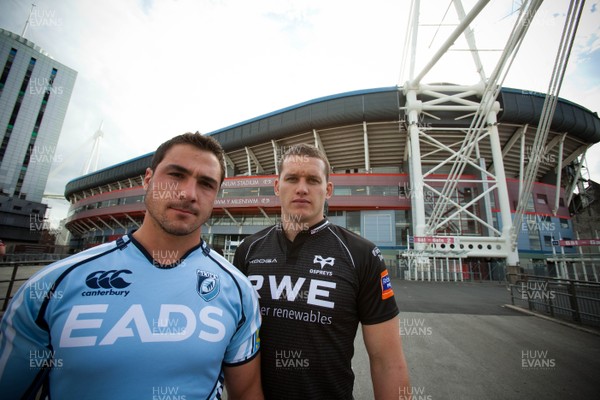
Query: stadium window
[378, 227]
[402, 219]
[564, 223]
[353, 221]
[534, 240]
[359, 191]
[542, 198]
[342, 191]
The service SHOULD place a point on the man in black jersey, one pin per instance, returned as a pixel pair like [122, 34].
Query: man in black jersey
[316, 282]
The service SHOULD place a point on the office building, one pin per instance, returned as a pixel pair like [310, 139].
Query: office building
[35, 91]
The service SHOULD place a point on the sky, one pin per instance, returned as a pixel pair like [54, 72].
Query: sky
[152, 69]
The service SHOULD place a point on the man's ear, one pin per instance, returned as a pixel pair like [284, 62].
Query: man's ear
[147, 177]
[329, 191]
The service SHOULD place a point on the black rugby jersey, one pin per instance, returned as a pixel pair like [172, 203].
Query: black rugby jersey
[313, 292]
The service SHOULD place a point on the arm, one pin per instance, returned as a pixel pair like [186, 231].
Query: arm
[242, 359]
[24, 347]
[389, 371]
[243, 381]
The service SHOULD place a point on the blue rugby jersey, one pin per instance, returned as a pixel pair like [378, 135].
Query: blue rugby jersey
[110, 323]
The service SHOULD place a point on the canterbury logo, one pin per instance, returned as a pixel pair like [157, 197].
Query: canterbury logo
[107, 279]
[324, 261]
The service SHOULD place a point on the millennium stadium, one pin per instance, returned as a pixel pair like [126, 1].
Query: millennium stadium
[451, 181]
[390, 174]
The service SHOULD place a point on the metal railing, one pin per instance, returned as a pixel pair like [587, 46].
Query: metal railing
[573, 300]
[12, 268]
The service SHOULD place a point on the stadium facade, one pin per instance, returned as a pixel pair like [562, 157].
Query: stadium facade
[35, 91]
[389, 168]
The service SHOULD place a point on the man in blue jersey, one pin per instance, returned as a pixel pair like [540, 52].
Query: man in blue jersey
[157, 314]
[316, 282]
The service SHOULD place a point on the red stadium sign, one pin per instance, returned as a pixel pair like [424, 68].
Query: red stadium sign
[580, 242]
[435, 239]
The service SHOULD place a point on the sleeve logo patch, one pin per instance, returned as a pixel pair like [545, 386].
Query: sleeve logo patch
[386, 286]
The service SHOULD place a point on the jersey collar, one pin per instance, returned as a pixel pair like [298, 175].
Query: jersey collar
[142, 249]
[316, 228]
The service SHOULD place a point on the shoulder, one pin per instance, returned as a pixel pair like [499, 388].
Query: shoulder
[84, 257]
[356, 243]
[261, 235]
[41, 287]
[362, 251]
[224, 265]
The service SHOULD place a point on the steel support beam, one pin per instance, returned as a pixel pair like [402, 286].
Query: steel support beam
[366, 146]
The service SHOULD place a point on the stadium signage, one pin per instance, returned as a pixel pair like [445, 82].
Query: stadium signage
[247, 182]
[435, 239]
[242, 201]
[577, 242]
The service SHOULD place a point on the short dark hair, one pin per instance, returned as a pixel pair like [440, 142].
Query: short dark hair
[197, 140]
[305, 150]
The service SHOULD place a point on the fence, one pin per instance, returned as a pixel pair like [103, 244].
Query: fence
[12, 272]
[574, 300]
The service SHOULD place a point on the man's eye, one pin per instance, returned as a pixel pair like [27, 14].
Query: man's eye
[207, 184]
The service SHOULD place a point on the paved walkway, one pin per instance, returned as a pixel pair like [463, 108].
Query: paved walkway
[460, 343]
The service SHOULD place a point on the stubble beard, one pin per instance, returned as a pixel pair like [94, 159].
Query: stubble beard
[167, 225]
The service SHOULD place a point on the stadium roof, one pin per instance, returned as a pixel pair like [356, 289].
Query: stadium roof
[518, 107]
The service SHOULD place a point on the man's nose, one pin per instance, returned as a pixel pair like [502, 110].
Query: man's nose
[188, 190]
[302, 186]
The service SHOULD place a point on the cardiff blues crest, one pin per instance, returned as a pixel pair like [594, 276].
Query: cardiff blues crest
[208, 285]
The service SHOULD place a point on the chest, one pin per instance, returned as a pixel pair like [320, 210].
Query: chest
[317, 275]
[132, 310]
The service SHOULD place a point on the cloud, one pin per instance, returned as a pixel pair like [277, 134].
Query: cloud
[152, 69]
